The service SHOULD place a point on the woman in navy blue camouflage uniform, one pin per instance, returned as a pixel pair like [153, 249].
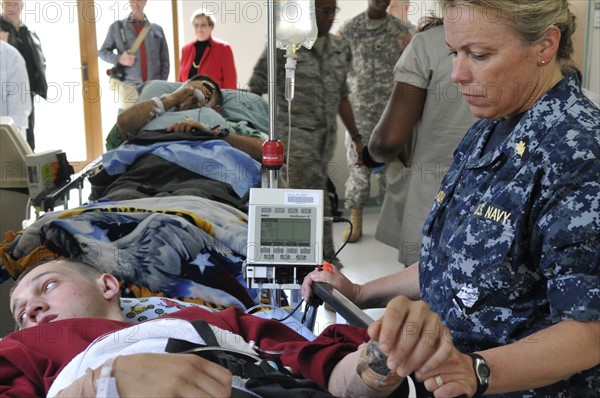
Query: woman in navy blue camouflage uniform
[511, 248]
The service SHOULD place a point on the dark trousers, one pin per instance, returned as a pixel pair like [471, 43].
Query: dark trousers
[30, 136]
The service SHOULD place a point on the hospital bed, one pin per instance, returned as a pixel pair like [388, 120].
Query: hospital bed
[183, 247]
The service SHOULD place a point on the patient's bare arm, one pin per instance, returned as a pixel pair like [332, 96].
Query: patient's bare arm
[354, 376]
[373, 294]
[251, 145]
[159, 375]
[134, 118]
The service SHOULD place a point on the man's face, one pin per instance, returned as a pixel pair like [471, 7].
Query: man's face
[56, 291]
[379, 5]
[12, 9]
[137, 5]
[207, 89]
[325, 15]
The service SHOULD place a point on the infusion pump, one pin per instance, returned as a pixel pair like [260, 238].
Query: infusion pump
[285, 236]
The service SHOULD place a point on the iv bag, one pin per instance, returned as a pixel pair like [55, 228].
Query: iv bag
[295, 23]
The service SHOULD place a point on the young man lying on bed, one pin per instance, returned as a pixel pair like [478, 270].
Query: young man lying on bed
[62, 307]
[178, 143]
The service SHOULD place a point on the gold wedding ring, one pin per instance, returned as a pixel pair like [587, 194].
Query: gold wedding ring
[439, 381]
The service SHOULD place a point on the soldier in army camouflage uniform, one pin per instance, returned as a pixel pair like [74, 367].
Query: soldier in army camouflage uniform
[321, 92]
[511, 253]
[376, 40]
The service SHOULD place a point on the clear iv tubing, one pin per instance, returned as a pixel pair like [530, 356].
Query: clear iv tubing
[290, 81]
[287, 169]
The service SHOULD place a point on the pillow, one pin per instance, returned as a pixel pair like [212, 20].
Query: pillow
[238, 106]
[141, 309]
[243, 106]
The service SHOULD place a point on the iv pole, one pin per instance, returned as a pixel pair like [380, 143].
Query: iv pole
[270, 179]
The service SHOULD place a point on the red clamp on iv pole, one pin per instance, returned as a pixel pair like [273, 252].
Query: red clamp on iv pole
[272, 154]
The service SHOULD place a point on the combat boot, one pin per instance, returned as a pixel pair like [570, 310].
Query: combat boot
[356, 220]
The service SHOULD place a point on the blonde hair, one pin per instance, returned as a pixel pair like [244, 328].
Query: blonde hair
[531, 19]
[85, 269]
[201, 12]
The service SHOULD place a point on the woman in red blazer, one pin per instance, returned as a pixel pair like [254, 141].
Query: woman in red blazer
[207, 55]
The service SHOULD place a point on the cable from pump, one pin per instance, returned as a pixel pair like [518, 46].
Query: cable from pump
[340, 219]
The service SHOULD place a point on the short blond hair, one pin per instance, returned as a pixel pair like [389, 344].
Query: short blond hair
[201, 12]
[85, 269]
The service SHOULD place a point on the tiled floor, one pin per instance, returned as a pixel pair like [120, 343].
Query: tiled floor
[368, 258]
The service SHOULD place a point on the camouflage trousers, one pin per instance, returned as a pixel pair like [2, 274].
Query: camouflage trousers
[358, 184]
[306, 173]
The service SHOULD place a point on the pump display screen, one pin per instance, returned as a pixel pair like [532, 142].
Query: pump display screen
[285, 232]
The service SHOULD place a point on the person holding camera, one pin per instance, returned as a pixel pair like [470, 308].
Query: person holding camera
[135, 61]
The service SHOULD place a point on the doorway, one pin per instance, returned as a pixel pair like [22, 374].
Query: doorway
[62, 120]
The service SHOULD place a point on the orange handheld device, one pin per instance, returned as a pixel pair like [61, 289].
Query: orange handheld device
[327, 267]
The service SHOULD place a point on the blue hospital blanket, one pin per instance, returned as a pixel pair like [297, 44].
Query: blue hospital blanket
[214, 159]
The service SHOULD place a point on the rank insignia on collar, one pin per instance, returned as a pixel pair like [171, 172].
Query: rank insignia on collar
[521, 148]
[440, 196]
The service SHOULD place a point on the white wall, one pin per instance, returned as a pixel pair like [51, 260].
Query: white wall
[591, 67]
